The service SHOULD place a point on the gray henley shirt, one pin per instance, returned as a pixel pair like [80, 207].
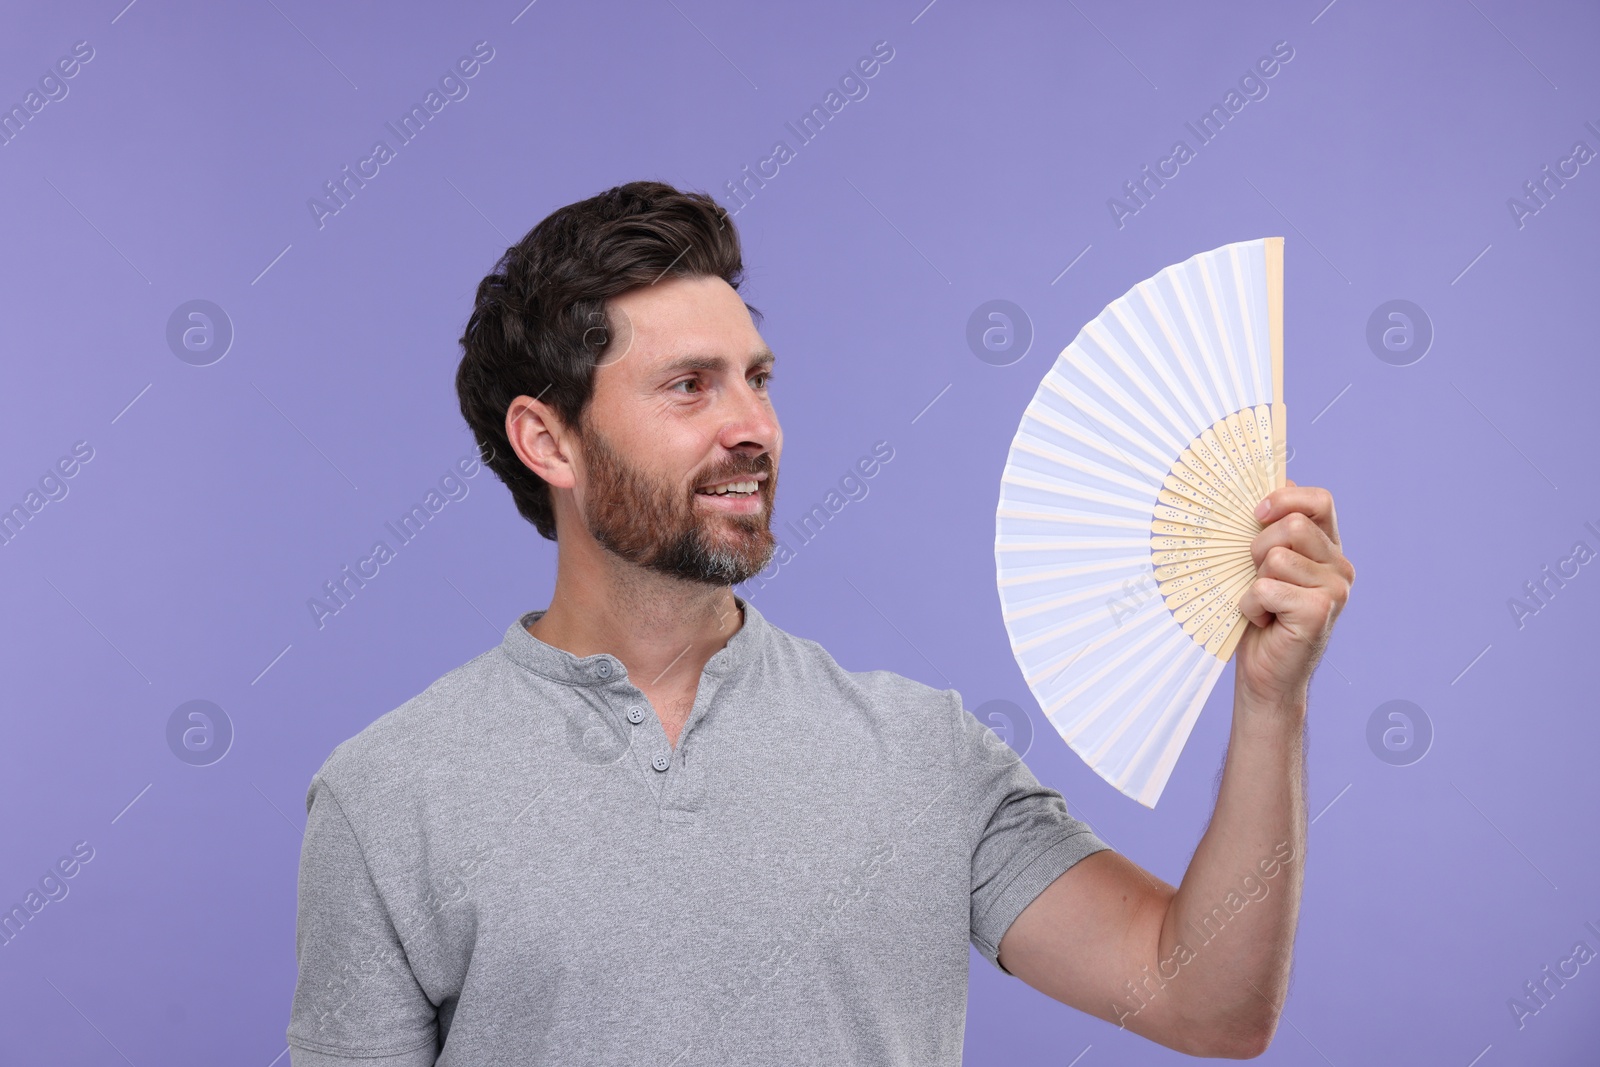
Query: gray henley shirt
[515, 866]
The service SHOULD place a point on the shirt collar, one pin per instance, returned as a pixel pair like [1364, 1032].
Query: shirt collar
[602, 668]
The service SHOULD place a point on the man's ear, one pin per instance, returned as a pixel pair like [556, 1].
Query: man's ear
[541, 441]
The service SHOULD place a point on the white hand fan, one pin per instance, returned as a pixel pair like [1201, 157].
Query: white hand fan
[1122, 538]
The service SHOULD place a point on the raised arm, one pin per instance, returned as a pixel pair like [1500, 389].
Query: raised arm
[1204, 968]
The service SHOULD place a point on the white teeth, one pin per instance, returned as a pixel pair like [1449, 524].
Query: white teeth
[741, 488]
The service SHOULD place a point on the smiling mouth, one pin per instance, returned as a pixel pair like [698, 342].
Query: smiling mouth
[735, 490]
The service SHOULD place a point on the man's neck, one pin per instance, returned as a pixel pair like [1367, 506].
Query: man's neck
[662, 629]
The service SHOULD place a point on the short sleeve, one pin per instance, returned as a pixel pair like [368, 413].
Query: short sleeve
[356, 999]
[1023, 836]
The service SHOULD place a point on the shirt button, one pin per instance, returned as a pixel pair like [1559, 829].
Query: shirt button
[604, 669]
[636, 715]
[660, 763]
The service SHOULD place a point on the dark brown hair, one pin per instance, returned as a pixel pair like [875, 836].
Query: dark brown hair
[540, 324]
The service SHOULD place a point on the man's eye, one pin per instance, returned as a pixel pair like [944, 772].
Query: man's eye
[686, 381]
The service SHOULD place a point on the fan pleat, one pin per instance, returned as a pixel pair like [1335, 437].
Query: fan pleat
[1126, 512]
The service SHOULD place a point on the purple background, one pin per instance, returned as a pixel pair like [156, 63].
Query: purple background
[219, 498]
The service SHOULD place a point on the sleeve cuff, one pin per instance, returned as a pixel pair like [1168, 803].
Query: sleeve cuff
[420, 1055]
[1031, 880]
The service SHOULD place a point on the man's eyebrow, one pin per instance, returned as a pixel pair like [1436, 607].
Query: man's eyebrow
[760, 357]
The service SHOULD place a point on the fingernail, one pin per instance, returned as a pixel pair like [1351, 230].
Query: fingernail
[1263, 508]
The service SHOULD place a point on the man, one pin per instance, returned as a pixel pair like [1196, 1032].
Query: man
[651, 827]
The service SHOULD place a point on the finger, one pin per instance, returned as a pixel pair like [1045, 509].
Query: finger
[1287, 565]
[1297, 532]
[1306, 611]
[1315, 503]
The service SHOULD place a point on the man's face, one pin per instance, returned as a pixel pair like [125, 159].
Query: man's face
[680, 404]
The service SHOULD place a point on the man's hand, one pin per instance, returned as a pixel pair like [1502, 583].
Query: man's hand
[1302, 584]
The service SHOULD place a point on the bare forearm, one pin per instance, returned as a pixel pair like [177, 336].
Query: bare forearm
[1228, 937]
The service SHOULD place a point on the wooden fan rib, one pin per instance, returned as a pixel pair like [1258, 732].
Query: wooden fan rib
[1220, 455]
[1204, 507]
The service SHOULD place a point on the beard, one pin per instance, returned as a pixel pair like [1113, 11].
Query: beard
[657, 525]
